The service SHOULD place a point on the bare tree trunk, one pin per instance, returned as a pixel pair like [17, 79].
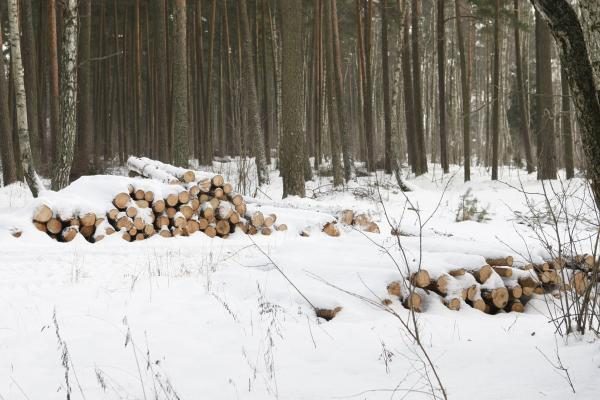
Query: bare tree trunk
[9, 167]
[496, 91]
[465, 92]
[161, 94]
[31, 80]
[54, 79]
[251, 97]
[421, 150]
[33, 181]
[84, 157]
[68, 82]
[545, 104]
[522, 95]
[441, 59]
[180, 85]
[408, 97]
[333, 103]
[346, 137]
[368, 93]
[292, 146]
[565, 120]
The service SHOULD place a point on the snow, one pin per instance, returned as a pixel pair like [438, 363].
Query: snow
[213, 318]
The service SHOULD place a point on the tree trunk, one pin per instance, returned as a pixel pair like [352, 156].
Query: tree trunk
[408, 96]
[292, 146]
[251, 96]
[346, 137]
[180, 85]
[161, 93]
[545, 103]
[465, 93]
[84, 157]
[390, 156]
[565, 120]
[333, 103]
[27, 163]
[441, 59]
[68, 100]
[421, 150]
[368, 99]
[31, 79]
[522, 94]
[54, 79]
[496, 91]
[9, 167]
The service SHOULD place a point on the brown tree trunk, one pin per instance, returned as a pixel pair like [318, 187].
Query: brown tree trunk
[9, 167]
[421, 150]
[565, 121]
[441, 58]
[180, 86]
[31, 79]
[522, 94]
[465, 92]
[545, 104]
[251, 97]
[54, 79]
[292, 146]
[347, 147]
[408, 97]
[333, 103]
[368, 92]
[496, 91]
[84, 156]
[161, 95]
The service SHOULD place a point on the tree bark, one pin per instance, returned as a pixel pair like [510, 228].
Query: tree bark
[565, 122]
[27, 163]
[465, 93]
[180, 85]
[333, 103]
[408, 97]
[545, 103]
[421, 150]
[68, 100]
[9, 167]
[496, 91]
[251, 96]
[346, 137]
[441, 59]
[161, 94]
[54, 79]
[522, 94]
[84, 157]
[368, 99]
[292, 146]
[31, 80]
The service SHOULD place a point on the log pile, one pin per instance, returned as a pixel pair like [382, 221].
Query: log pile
[207, 205]
[494, 287]
[358, 221]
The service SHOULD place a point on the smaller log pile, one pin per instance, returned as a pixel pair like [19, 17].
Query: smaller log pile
[359, 221]
[495, 286]
[207, 205]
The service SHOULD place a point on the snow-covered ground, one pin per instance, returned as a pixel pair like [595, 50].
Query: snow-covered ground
[200, 318]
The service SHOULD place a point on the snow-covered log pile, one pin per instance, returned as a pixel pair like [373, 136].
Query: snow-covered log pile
[173, 202]
[496, 286]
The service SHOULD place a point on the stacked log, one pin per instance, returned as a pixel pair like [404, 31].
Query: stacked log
[361, 221]
[208, 205]
[498, 285]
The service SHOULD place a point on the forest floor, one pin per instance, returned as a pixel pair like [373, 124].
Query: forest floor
[200, 318]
